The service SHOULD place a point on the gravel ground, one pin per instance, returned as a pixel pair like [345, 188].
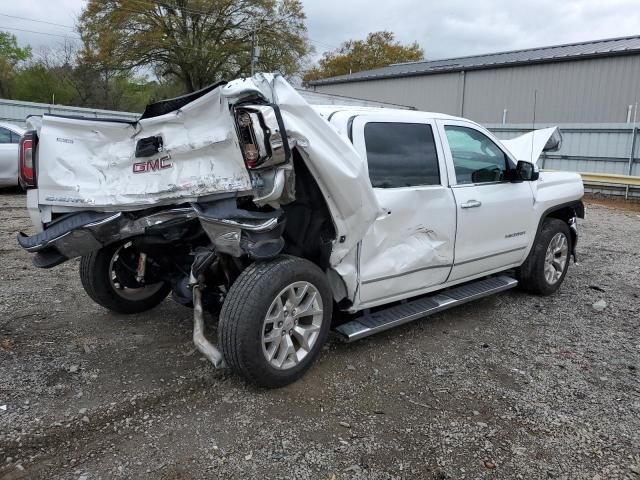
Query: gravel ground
[512, 386]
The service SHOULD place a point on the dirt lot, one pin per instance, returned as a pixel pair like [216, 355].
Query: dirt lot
[513, 386]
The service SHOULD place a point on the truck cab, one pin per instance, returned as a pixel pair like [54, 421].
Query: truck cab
[452, 206]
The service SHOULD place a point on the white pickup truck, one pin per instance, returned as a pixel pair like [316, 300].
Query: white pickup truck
[245, 201]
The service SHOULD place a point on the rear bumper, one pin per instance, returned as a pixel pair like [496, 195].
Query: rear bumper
[231, 230]
[78, 234]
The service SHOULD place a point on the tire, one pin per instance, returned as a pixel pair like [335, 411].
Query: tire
[244, 328]
[96, 275]
[534, 274]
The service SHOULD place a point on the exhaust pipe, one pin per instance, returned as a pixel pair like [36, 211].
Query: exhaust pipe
[203, 345]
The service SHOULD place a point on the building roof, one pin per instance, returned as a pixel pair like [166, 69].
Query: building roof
[571, 51]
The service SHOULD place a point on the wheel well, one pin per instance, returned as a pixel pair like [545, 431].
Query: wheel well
[566, 213]
[309, 231]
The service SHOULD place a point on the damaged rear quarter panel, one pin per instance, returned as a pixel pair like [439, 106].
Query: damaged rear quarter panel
[338, 169]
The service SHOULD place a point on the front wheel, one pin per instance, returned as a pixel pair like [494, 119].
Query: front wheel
[544, 270]
[274, 320]
[109, 277]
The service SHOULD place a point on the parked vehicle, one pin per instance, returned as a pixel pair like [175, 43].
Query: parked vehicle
[291, 220]
[9, 138]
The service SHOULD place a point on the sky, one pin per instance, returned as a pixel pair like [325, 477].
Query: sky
[444, 29]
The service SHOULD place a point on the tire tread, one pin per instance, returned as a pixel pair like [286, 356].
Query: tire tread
[241, 303]
[531, 272]
[93, 277]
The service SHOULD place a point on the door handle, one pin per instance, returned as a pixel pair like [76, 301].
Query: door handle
[471, 204]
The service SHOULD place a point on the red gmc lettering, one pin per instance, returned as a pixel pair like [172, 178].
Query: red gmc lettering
[152, 165]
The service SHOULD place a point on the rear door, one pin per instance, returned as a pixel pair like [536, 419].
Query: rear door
[410, 245]
[493, 213]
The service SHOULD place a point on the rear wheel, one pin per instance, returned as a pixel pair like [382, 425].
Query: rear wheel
[275, 320]
[544, 270]
[109, 276]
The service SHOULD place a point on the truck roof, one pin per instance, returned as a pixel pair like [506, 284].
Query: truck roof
[340, 116]
[330, 110]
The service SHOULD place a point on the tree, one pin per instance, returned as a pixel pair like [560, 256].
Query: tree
[196, 41]
[380, 49]
[10, 56]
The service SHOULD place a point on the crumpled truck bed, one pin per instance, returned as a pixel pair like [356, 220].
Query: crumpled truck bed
[91, 164]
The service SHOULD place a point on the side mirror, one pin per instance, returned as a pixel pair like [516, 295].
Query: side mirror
[527, 172]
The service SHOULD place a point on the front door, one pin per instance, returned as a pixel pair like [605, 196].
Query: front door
[410, 246]
[494, 227]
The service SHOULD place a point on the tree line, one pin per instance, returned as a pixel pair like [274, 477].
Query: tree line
[132, 52]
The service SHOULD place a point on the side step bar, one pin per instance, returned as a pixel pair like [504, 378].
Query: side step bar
[399, 314]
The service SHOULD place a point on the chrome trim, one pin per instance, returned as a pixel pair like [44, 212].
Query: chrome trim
[456, 264]
[92, 236]
[102, 222]
[388, 277]
[277, 187]
[471, 204]
[479, 184]
[264, 226]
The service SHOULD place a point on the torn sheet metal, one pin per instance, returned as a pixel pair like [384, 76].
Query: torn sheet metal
[92, 163]
[340, 172]
[530, 146]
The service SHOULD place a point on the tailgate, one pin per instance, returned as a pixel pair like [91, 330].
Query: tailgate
[173, 157]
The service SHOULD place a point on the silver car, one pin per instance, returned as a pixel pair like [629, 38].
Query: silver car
[9, 139]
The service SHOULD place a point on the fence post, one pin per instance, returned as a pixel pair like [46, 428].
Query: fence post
[634, 136]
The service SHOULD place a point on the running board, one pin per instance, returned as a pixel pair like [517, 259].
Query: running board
[399, 314]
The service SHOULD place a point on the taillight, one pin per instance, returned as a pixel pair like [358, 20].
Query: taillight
[262, 136]
[248, 139]
[27, 167]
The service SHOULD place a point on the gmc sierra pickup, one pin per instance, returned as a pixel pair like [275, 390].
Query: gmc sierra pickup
[287, 220]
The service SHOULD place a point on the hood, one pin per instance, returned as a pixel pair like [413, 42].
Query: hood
[530, 146]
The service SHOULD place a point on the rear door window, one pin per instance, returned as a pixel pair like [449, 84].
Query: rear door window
[401, 154]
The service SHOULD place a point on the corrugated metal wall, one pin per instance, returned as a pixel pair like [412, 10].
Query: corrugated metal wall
[434, 93]
[579, 91]
[587, 148]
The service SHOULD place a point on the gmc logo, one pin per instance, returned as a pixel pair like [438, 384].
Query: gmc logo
[161, 163]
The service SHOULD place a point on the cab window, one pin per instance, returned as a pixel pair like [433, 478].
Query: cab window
[476, 158]
[401, 154]
[5, 135]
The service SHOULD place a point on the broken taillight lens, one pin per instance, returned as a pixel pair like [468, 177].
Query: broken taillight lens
[26, 161]
[248, 139]
[262, 136]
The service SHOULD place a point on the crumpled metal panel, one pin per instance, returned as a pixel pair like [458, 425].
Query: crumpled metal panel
[89, 163]
[410, 245]
[340, 172]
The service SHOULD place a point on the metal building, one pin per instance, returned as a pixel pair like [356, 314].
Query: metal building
[589, 82]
